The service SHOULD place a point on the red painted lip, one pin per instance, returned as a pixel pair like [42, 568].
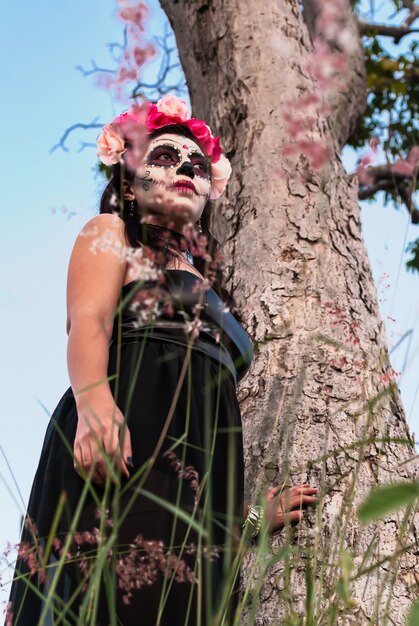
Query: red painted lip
[185, 183]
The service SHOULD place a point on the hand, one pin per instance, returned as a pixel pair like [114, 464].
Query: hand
[98, 437]
[287, 504]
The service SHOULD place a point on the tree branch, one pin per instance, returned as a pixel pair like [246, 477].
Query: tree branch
[384, 178]
[414, 12]
[397, 32]
[161, 86]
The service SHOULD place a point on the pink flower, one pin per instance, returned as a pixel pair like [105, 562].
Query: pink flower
[136, 115]
[136, 14]
[403, 168]
[294, 125]
[316, 152]
[374, 143]
[210, 144]
[130, 125]
[311, 97]
[366, 160]
[173, 106]
[199, 130]
[414, 155]
[111, 146]
[157, 119]
[134, 124]
[220, 173]
[172, 110]
[141, 55]
[364, 177]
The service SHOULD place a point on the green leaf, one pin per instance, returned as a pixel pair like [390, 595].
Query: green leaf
[413, 619]
[413, 263]
[385, 500]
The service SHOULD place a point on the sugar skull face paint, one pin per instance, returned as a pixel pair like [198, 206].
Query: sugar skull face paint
[174, 180]
[168, 154]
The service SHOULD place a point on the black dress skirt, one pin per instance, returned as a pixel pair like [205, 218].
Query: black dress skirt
[158, 549]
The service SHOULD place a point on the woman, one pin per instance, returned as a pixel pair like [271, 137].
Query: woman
[136, 510]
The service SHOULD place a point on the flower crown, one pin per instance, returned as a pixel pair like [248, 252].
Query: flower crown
[146, 118]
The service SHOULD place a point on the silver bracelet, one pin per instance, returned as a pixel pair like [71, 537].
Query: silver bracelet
[254, 519]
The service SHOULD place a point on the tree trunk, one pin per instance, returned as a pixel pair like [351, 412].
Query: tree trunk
[299, 270]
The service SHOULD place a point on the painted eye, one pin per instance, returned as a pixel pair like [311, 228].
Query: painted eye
[165, 156]
[201, 166]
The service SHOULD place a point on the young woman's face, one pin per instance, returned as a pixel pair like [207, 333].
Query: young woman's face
[173, 182]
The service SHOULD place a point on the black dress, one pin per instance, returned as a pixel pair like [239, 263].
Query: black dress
[178, 519]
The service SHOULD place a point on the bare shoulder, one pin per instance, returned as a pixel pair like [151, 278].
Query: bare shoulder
[97, 269]
[104, 223]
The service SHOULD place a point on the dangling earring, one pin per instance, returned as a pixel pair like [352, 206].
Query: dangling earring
[199, 226]
[131, 210]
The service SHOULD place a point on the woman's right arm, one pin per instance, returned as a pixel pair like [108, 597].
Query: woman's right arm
[95, 277]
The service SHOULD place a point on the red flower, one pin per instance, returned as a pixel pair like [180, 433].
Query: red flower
[157, 119]
[201, 132]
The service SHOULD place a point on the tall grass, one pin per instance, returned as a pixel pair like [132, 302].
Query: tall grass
[313, 578]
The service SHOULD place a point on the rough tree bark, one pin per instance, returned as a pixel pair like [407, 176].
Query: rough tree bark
[298, 267]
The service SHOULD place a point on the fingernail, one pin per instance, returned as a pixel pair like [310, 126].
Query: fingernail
[130, 461]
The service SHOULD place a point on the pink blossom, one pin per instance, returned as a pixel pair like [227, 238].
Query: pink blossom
[111, 146]
[141, 55]
[311, 97]
[136, 14]
[403, 168]
[157, 119]
[202, 132]
[32, 556]
[294, 125]
[137, 57]
[391, 375]
[132, 126]
[327, 67]
[173, 106]
[141, 566]
[289, 149]
[188, 473]
[366, 160]
[170, 109]
[126, 74]
[414, 155]
[374, 142]
[316, 152]
[364, 177]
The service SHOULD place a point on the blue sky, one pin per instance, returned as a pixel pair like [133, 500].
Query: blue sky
[46, 198]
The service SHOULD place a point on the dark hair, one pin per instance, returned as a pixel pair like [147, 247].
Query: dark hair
[136, 233]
